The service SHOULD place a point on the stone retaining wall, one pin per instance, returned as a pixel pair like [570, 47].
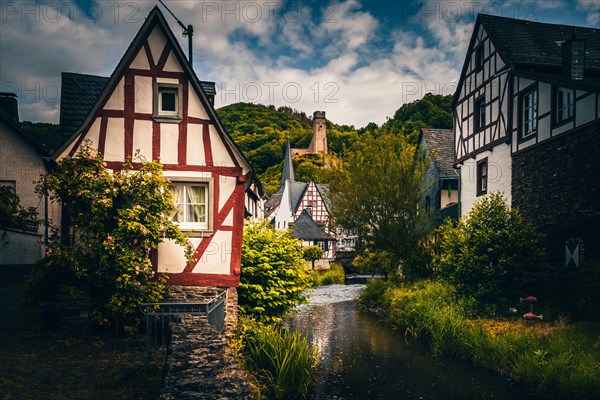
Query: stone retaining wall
[199, 365]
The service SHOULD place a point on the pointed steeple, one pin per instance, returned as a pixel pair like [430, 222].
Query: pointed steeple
[287, 173]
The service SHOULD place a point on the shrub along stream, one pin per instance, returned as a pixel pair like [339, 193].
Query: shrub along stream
[558, 359]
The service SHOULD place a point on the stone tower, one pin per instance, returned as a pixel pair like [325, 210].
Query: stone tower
[318, 144]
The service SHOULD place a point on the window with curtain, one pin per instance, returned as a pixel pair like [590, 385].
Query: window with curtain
[191, 205]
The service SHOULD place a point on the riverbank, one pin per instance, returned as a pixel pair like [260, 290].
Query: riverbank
[557, 359]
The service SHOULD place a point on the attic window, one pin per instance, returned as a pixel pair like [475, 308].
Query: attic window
[167, 102]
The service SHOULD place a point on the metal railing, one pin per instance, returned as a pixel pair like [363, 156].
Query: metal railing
[159, 315]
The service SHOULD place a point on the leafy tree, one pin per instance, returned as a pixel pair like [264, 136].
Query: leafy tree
[274, 276]
[116, 219]
[376, 193]
[312, 254]
[487, 253]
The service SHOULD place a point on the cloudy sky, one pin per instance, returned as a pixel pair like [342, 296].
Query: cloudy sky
[358, 60]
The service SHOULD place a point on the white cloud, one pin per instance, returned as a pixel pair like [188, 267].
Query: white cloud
[592, 9]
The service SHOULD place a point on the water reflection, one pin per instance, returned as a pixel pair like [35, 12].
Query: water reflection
[363, 358]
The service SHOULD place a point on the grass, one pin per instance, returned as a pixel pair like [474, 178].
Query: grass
[558, 359]
[322, 277]
[282, 361]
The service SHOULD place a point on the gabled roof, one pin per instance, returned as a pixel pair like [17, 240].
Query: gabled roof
[78, 94]
[440, 145]
[526, 44]
[296, 191]
[156, 18]
[536, 43]
[324, 191]
[307, 229]
[32, 140]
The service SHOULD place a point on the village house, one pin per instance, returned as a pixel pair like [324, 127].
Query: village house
[527, 124]
[154, 105]
[22, 162]
[303, 207]
[441, 179]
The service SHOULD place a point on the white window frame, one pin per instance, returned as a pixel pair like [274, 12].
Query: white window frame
[199, 227]
[565, 111]
[529, 112]
[167, 115]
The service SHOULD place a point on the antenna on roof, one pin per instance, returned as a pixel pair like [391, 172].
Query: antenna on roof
[187, 31]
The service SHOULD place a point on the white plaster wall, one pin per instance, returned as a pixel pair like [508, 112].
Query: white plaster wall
[585, 110]
[157, 42]
[195, 145]
[284, 215]
[19, 162]
[195, 108]
[499, 176]
[217, 257]
[115, 138]
[220, 155]
[142, 138]
[140, 61]
[116, 100]
[144, 93]
[169, 139]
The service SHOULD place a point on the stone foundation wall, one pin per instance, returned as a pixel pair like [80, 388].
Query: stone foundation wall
[199, 365]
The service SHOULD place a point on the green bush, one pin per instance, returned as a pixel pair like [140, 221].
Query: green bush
[373, 292]
[115, 219]
[322, 277]
[487, 253]
[274, 275]
[282, 361]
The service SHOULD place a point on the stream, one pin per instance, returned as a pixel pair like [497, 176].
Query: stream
[364, 358]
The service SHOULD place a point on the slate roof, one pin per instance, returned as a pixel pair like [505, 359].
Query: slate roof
[324, 190]
[306, 228]
[440, 145]
[78, 95]
[297, 189]
[528, 42]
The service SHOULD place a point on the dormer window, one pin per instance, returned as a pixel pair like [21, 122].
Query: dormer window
[167, 102]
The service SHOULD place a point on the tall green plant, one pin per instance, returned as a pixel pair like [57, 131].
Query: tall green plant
[115, 219]
[488, 252]
[274, 275]
[282, 360]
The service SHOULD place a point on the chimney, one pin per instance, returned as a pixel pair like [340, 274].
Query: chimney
[573, 58]
[8, 105]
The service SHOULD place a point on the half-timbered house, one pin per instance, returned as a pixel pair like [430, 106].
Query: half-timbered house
[527, 123]
[154, 105]
[300, 202]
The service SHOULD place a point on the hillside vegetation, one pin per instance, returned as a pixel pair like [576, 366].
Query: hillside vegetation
[261, 132]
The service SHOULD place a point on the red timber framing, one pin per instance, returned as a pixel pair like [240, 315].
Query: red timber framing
[223, 163]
